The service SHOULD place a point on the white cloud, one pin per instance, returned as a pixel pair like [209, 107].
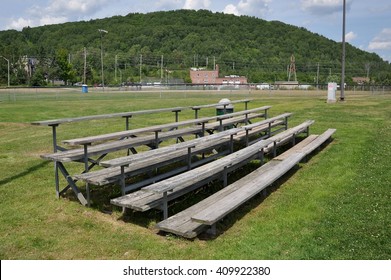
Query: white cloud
[257, 8]
[381, 41]
[75, 6]
[324, 7]
[19, 23]
[196, 4]
[350, 36]
[58, 11]
[231, 9]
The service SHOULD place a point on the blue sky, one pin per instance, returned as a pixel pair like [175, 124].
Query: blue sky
[368, 25]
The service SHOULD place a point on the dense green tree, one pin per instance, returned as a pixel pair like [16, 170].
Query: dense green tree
[241, 45]
[65, 68]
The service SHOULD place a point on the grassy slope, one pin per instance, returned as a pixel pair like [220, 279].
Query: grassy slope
[335, 206]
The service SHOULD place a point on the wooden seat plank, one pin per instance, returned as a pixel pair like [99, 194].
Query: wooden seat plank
[182, 224]
[209, 171]
[193, 220]
[106, 116]
[246, 188]
[59, 167]
[174, 125]
[139, 164]
[122, 161]
[106, 176]
[78, 154]
[220, 104]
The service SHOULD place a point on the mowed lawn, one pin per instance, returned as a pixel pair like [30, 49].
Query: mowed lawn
[337, 205]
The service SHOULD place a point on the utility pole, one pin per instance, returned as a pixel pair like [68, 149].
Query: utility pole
[101, 31]
[115, 70]
[161, 69]
[141, 63]
[85, 66]
[342, 98]
[317, 77]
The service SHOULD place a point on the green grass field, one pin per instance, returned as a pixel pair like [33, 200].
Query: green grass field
[335, 206]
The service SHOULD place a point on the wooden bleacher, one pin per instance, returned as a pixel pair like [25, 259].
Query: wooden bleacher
[159, 194]
[196, 219]
[148, 160]
[188, 164]
[129, 139]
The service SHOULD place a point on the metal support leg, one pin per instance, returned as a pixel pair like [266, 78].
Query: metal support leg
[231, 144]
[196, 113]
[262, 156]
[156, 139]
[269, 130]
[72, 184]
[293, 139]
[54, 132]
[274, 149]
[123, 185]
[86, 169]
[127, 126]
[56, 177]
[165, 206]
[225, 176]
[177, 115]
[189, 158]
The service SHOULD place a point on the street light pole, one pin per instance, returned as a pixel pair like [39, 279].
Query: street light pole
[342, 98]
[101, 31]
[8, 70]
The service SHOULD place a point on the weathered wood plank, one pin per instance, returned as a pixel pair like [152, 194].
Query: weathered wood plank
[279, 117]
[106, 116]
[77, 154]
[126, 114]
[132, 132]
[126, 133]
[190, 222]
[219, 165]
[220, 104]
[257, 181]
[182, 224]
[209, 139]
[165, 154]
[148, 160]
[297, 148]
[252, 185]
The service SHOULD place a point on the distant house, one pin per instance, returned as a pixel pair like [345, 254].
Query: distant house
[360, 80]
[200, 76]
[28, 64]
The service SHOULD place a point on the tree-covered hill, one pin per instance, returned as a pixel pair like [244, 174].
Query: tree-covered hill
[165, 45]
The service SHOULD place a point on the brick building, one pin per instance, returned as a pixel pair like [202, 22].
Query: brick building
[200, 76]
